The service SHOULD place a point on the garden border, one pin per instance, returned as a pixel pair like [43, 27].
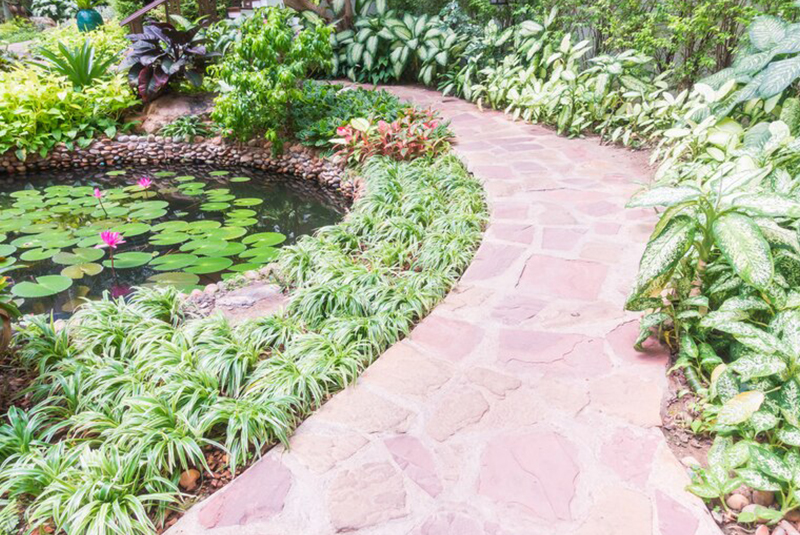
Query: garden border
[296, 160]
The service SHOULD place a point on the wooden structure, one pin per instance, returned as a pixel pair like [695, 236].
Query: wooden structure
[135, 22]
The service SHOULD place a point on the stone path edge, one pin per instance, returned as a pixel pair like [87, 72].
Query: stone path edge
[518, 406]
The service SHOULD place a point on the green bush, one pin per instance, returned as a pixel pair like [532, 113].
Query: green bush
[261, 73]
[322, 108]
[38, 110]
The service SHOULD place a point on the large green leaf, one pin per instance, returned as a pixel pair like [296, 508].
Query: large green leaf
[778, 76]
[740, 408]
[766, 32]
[43, 287]
[769, 204]
[754, 365]
[662, 255]
[769, 463]
[741, 241]
[664, 196]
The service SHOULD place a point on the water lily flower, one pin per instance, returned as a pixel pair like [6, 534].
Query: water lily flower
[110, 240]
[97, 193]
[145, 182]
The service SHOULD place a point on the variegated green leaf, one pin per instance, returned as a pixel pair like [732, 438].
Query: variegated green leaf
[745, 248]
[778, 76]
[753, 365]
[766, 32]
[769, 204]
[769, 463]
[756, 480]
[740, 408]
[664, 196]
[763, 421]
[737, 455]
[748, 335]
[789, 435]
[663, 253]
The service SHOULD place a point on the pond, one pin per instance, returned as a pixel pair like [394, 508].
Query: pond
[70, 236]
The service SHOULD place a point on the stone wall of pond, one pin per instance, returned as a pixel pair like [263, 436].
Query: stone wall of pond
[127, 150]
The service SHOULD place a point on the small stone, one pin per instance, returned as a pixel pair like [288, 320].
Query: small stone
[762, 530]
[793, 515]
[211, 289]
[779, 531]
[788, 528]
[188, 480]
[763, 497]
[737, 502]
[196, 293]
[690, 462]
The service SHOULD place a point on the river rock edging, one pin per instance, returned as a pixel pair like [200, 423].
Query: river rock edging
[295, 159]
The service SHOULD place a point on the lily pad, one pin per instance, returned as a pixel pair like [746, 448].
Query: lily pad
[242, 222]
[128, 260]
[247, 266]
[219, 173]
[148, 213]
[265, 238]
[80, 255]
[79, 270]
[116, 173]
[210, 265]
[7, 250]
[173, 261]
[214, 206]
[231, 249]
[130, 230]
[207, 247]
[179, 279]
[43, 287]
[240, 179]
[169, 238]
[259, 252]
[35, 255]
[248, 202]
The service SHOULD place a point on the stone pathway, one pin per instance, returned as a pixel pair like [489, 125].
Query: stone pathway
[518, 407]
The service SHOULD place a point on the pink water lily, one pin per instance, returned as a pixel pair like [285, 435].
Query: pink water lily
[97, 193]
[110, 240]
[144, 182]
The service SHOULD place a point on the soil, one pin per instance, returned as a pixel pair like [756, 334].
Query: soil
[13, 380]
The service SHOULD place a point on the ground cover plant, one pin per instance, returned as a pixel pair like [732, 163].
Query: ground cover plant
[130, 394]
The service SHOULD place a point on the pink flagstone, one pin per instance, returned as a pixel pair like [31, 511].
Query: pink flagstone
[258, 495]
[576, 279]
[535, 471]
[416, 461]
[453, 339]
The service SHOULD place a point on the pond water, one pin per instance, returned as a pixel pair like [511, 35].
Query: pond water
[184, 226]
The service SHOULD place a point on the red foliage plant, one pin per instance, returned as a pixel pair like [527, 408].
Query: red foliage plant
[415, 134]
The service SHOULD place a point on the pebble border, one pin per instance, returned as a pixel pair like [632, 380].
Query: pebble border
[296, 159]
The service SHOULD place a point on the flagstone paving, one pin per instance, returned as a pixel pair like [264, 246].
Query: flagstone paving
[518, 407]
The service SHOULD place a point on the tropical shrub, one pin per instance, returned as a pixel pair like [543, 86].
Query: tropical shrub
[58, 10]
[260, 76]
[163, 55]
[38, 110]
[383, 46]
[323, 108]
[130, 393]
[78, 65]
[415, 134]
